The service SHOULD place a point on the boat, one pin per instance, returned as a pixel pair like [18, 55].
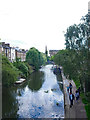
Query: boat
[20, 81]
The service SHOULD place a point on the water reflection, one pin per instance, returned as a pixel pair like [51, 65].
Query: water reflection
[60, 82]
[40, 97]
[9, 104]
[36, 80]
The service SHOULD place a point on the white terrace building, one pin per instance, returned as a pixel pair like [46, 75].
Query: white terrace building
[13, 56]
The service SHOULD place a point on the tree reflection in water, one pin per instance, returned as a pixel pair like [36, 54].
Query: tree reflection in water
[60, 81]
[9, 103]
[36, 80]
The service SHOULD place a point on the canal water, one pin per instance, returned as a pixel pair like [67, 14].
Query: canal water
[41, 96]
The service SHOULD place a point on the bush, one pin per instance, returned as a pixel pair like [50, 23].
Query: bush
[9, 72]
[86, 101]
[9, 76]
[77, 83]
[87, 107]
[30, 68]
[22, 67]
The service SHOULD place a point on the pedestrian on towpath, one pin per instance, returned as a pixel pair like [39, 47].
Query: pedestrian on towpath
[71, 98]
[79, 90]
[70, 87]
[77, 95]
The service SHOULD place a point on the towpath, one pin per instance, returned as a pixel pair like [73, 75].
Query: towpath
[78, 109]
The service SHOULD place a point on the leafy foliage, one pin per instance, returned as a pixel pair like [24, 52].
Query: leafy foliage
[35, 58]
[30, 68]
[76, 36]
[21, 66]
[9, 72]
[75, 59]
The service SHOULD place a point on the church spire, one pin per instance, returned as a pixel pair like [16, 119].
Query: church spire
[46, 52]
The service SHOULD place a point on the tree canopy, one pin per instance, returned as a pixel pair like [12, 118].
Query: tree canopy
[35, 58]
[75, 58]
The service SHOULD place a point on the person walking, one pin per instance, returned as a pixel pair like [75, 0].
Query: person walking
[77, 95]
[71, 98]
[79, 90]
[70, 87]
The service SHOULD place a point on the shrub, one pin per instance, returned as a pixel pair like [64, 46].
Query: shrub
[9, 72]
[22, 67]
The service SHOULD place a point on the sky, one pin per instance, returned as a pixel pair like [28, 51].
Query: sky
[39, 23]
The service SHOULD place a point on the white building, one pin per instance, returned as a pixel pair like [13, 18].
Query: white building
[53, 52]
[13, 55]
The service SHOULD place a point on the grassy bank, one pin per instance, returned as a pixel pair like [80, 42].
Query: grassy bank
[9, 72]
[85, 99]
[24, 67]
[12, 71]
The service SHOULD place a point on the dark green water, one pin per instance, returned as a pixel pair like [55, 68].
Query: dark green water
[39, 97]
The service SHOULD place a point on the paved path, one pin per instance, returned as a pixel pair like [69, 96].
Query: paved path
[77, 110]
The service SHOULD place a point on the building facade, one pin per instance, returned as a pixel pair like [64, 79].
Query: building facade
[53, 52]
[13, 56]
[21, 54]
[6, 50]
[12, 53]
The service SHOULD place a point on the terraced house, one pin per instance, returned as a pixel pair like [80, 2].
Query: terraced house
[20, 53]
[12, 52]
[6, 50]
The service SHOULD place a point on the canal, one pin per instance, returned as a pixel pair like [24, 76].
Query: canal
[41, 96]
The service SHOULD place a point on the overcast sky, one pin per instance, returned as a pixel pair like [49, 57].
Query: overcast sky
[37, 23]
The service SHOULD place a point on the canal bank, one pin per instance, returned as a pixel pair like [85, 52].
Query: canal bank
[78, 109]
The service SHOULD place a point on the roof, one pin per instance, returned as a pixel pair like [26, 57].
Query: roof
[53, 50]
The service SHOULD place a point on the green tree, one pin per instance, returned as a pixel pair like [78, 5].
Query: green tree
[9, 72]
[35, 58]
[75, 59]
[32, 57]
[21, 66]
